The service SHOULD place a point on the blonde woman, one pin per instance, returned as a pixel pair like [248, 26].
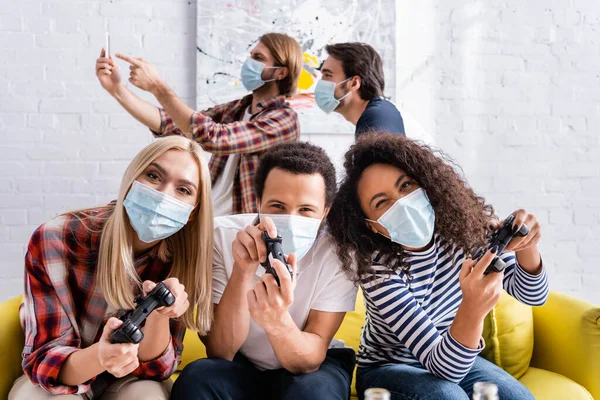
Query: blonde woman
[83, 267]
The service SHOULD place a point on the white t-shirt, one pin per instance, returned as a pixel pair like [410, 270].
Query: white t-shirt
[321, 285]
[222, 190]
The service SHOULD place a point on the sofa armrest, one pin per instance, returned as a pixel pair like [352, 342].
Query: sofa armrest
[12, 340]
[567, 340]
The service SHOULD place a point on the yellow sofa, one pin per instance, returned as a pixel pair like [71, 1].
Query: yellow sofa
[565, 362]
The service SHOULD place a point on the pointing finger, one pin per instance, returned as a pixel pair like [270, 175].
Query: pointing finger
[130, 60]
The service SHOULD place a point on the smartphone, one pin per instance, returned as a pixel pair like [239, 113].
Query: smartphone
[107, 45]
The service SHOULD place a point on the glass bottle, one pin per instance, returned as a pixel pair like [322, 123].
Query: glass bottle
[485, 391]
[377, 394]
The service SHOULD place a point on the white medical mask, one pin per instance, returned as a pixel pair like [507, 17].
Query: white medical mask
[153, 214]
[252, 74]
[325, 95]
[298, 233]
[410, 220]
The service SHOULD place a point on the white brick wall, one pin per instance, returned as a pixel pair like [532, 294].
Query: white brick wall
[64, 142]
[511, 90]
[508, 88]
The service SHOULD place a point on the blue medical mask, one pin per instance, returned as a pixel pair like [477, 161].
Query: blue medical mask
[153, 214]
[410, 220]
[298, 233]
[252, 74]
[325, 95]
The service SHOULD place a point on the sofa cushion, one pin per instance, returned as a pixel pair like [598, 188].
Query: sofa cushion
[351, 327]
[508, 335]
[12, 340]
[551, 386]
[193, 349]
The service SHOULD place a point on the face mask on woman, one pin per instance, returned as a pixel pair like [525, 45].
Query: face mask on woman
[298, 233]
[153, 214]
[410, 220]
[252, 74]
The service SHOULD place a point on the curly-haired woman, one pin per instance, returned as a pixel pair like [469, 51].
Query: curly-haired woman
[405, 222]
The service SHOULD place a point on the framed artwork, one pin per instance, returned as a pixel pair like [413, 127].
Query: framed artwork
[227, 31]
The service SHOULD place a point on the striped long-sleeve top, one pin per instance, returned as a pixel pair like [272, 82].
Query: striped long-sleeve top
[408, 321]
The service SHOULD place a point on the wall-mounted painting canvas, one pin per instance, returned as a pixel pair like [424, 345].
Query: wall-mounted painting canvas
[227, 31]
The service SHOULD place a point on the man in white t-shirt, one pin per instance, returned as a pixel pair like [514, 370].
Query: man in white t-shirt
[269, 341]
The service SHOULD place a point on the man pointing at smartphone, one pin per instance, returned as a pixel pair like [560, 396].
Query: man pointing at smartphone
[235, 133]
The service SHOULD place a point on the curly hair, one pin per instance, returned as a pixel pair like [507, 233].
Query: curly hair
[297, 158]
[461, 215]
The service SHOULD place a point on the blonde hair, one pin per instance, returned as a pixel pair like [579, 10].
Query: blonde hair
[287, 53]
[190, 249]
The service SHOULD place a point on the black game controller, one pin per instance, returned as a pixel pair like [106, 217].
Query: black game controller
[130, 331]
[274, 249]
[500, 239]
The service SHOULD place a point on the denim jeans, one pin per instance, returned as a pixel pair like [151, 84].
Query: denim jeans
[415, 382]
[212, 378]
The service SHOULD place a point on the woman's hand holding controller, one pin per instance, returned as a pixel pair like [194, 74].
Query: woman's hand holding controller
[480, 292]
[177, 290]
[525, 247]
[119, 359]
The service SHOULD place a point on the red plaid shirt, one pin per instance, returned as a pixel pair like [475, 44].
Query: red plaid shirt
[220, 131]
[64, 311]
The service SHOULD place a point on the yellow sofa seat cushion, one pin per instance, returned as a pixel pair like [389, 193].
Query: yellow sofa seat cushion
[548, 385]
[508, 335]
